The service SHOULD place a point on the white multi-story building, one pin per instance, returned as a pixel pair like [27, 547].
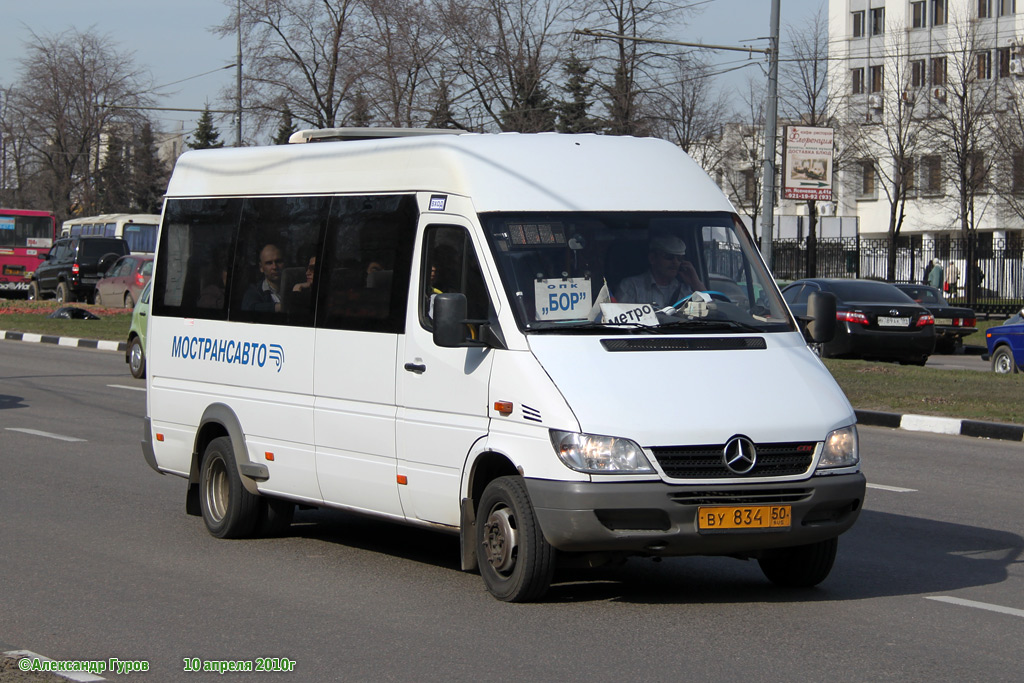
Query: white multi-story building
[919, 75]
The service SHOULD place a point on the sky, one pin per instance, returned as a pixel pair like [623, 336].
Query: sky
[174, 42]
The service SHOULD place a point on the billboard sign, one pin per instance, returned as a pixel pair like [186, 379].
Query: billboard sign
[807, 163]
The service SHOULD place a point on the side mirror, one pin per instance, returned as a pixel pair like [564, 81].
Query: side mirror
[821, 310]
[450, 320]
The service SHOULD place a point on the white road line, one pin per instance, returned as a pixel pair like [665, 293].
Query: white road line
[894, 489]
[48, 435]
[81, 676]
[125, 386]
[978, 605]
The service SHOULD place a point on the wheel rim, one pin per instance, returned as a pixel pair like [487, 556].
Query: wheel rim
[60, 295]
[501, 540]
[128, 301]
[1003, 364]
[216, 489]
[136, 357]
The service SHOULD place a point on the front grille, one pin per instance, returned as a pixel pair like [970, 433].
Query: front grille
[753, 497]
[705, 462]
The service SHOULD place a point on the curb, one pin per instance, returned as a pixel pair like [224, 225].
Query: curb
[941, 425]
[102, 345]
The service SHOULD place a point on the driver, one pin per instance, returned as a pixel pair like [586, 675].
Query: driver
[670, 276]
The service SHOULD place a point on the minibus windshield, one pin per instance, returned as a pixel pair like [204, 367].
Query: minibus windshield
[653, 272]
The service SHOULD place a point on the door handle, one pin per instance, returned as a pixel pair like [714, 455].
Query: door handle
[418, 368]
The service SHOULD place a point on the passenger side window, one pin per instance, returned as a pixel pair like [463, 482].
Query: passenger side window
[279, 237]
[367, 263]
[450, 266]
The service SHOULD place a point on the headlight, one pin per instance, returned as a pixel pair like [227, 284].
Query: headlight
[840, 448]
[599, 454]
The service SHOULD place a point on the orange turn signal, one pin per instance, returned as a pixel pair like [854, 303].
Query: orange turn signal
[503, 407]
[269, 456]
[402, 479]
[159, 437]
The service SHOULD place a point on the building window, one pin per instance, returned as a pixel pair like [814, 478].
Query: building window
[857, 77]
[919, 14]
[931, 175]
[907, 175]
[877, 21]
[1017, 173]
[867, 178]
[984, 9]
[877, 78]
[1006, 7]
[1004, 54]
[938, 12]
[938, 71]
[977, 171]
[918, 75]
[984, 61]
[748, 185]
[858, 24]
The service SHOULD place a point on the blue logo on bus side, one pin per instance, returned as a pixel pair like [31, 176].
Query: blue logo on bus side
[231, 351]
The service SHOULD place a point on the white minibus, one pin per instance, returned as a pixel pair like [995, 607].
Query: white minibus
[564, 348]
[139, 229]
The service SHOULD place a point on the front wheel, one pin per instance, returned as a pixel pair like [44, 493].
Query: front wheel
[801, 567]
[1002, 361]
[229, 511]
[516, 562]
[136, 358]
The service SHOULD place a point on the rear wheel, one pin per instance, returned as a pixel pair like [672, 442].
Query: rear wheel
[129, 301]
[229, 511]
[63, 294]
[136, 358]
[516, 562]
[1002, 362]
[33, 291]
[800, 567]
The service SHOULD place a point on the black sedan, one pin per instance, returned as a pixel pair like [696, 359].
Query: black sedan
[952, 323]
[873, 320]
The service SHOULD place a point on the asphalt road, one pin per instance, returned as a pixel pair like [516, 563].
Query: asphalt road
[99, 560]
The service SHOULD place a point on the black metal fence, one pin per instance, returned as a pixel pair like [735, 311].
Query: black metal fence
[997, 265]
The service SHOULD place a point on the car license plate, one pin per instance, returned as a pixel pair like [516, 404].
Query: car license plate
[715, 518]
[885, 321]
[943, 321]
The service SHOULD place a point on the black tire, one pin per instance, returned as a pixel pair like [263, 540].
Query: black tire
[136, 358]
[229, 511]
[129, 300]
[516, 562]
[1003, 363]
[33, 291]
[801, 567]
[275, 517]
[64, 294]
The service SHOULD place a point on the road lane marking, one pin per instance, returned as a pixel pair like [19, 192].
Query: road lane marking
[125, 386]
[978, 605]
[894, 489]
[48, 435]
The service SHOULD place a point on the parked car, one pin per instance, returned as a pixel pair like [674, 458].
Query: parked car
[73, 266]
[123, 283]
[952, 323]
[1005, 345]
[874, 320]
[135, 355]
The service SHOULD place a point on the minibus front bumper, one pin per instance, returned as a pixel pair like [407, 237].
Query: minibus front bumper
[660, 519]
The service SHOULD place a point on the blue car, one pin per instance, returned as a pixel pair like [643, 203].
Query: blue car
[1006, 345]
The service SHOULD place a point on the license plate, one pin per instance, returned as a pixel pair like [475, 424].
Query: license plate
[885, 321]
[943, 321]
[714, 518]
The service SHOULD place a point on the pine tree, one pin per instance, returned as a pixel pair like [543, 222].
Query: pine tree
[360, 115]
[205, 135]
[285, 128]
[149, 174]
[113, 194]
[572, 112]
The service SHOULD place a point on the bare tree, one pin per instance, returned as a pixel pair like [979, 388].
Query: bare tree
[688, 109]
[505, 54]
[303, 53]
[742, 144]
[962, 127]
[74, 86]
[891, 134]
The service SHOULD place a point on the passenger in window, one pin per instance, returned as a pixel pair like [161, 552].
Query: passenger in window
[301, 296]
[265, 295]
[213, 285]
[670, 278]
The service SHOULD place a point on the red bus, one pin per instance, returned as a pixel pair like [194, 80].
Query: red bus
[23, 236]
